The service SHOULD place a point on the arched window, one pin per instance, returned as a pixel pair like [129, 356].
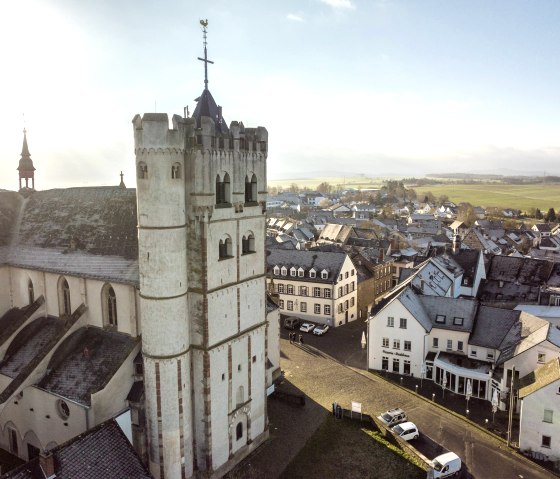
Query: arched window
[223, 190]
[109, 303]
[248, 244]
[142, 170]
[64, 305]
[175, 171]
[240, 399]
[239, 431]
[225, 248]
[30, 291]
[251, 189]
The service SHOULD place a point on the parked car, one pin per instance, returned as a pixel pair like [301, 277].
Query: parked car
[292, 323]
[321, 329]
[307, 327]
[392, 417]
[406, 430]
[446, 465]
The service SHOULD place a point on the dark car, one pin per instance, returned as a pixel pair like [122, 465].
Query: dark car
[292, 323]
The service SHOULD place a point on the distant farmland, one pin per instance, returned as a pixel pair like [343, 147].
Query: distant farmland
[520, 197]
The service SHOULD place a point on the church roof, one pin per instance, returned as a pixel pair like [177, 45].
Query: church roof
[85, 362]
[103, 451]
[88, 231]
[206, 106]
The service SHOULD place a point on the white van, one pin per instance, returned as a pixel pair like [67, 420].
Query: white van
[446, 465]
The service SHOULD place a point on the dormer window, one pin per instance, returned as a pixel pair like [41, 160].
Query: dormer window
[458, 321]
[440, 318]
[293, 271]
[284, 271]
[301, 273]
[312, 273]
[324, 274]
[276, 270]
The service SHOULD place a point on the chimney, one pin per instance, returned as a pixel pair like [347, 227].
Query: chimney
[46, 461]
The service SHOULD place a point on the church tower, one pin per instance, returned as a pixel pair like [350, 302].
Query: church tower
[201, 230]
[26, 168]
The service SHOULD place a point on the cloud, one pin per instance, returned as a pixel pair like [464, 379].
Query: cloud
[340, 4]
[295, 17]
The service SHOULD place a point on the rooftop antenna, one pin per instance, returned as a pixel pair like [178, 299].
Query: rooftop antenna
[204, 24]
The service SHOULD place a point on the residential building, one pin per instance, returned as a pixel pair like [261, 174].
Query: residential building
[314, 285]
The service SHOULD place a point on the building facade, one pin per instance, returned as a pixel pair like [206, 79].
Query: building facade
[316, 286]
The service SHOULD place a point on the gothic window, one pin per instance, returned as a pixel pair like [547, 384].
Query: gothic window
[175, 171]
[30, 291]
[13, 439]
[64, 305]
[225, 248]
[239, 431]
[251, 189]
[109, 301]
[142, 170]
[222, 190]
[248, 244]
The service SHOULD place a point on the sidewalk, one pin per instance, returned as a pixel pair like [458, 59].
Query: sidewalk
[479, 411]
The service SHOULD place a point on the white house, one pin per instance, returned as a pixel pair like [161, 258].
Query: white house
[539, 423]
[314, 285]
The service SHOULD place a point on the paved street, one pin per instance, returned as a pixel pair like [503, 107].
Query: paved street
[322, 375]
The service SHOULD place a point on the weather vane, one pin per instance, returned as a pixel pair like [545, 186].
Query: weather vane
[204, 24]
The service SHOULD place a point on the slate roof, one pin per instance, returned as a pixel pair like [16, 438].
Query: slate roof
[102, 452]
[492, 325]
[523, 270]
[450, 308]
[81, 231]
[524, 334]
[411, 301]
[30, 342]
[85, 362]
[539, 378]
[206, 106]
[542, 227]
[10, 322]
[468, 260]
[319, 260]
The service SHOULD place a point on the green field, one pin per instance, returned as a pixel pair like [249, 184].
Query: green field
[336, 182]
[521, 197]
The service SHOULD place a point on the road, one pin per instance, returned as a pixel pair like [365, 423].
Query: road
[330, 368]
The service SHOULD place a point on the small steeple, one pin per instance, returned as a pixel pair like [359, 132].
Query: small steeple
[26, 168]
[122, 185]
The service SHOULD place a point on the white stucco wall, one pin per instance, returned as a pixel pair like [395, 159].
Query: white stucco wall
[414, 333]
[527, 361]
[533, 427]
[37, 411]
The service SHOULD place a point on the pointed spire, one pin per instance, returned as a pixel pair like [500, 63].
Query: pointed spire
[25, 148]
[122, 185]
[26, 168]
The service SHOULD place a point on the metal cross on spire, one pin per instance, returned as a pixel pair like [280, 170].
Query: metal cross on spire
[204, 24]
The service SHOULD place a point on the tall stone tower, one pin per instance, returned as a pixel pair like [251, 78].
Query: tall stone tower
[201, 189]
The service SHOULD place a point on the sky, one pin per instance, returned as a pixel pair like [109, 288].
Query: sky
[344, 87]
